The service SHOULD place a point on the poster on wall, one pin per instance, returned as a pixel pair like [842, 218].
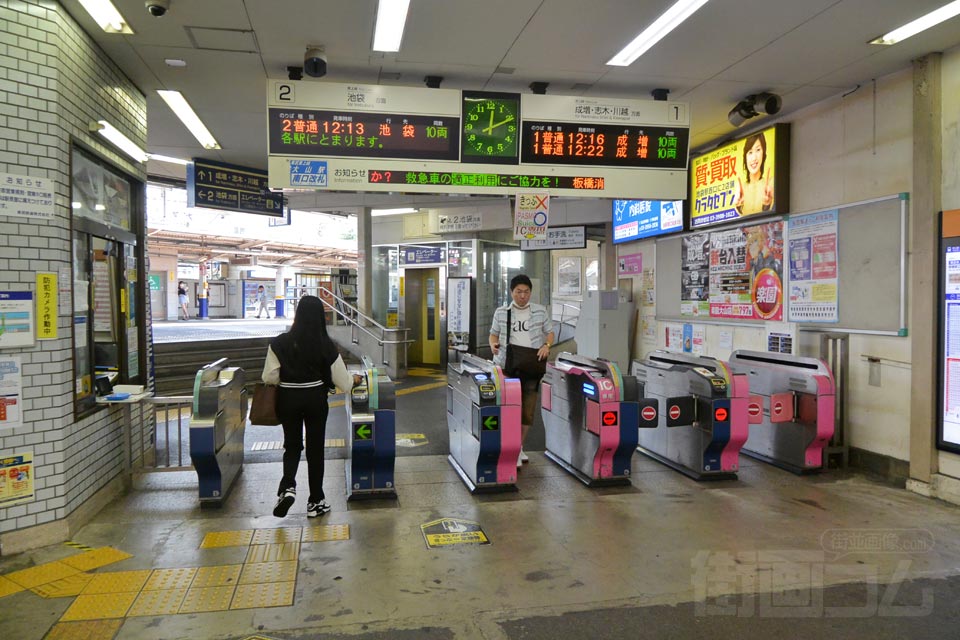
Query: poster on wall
[458, 313]
[568, 276]
[630, 264]
[695, 275]
[948, 429]
[747, 177]
[16, 479]
[16, 319]
[531, 216]
[46, 306]
[746, 272]
[813, 268]
[11, 392]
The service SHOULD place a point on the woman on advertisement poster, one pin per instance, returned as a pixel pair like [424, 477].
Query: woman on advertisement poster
[756, 194]
[765, 253]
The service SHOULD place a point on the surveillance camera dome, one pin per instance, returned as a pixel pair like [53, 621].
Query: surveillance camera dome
[157, 8]
[315, 63]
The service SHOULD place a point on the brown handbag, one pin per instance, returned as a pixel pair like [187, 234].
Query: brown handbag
[263, 409]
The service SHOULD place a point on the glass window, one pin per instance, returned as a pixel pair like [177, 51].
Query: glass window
[98, 193]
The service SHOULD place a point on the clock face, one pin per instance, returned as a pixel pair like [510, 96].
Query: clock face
[491, 127]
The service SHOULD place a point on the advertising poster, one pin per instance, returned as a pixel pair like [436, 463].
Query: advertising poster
[699, 338]
[458, 313]
[746, 272]
[16, 319]
[648, 287]
[735, 180]
[16, 479]
[630, 264]
[11, 392]
[950, 433]
[813, 268]
[635, 219]
[695, 275]
[688, 338]
[530, 216]
[673, 337]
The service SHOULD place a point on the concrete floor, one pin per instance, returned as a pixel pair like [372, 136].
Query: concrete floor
[564, 560]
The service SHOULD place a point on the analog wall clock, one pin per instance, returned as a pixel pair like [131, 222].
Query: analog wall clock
[491, 127]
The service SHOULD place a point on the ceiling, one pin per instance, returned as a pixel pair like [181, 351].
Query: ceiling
[803, 50]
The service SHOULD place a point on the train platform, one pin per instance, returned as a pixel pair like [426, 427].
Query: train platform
[217, 329]
[770, 554]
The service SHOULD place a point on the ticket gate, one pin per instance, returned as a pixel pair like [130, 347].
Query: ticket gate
[217, 429]
[703, 421]
[791, 408]
[483, 419]
[590, 417]
[372, 450]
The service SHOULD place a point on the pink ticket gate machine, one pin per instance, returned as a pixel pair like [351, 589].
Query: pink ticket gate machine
[590, 416]
[483, 419]
[791, 408]
[703, 414]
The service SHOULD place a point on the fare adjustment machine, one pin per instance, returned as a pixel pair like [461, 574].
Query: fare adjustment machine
[791, 408]
[483, 419]
[371, 412]
[217, 429]
[591, 414]
[703, 419]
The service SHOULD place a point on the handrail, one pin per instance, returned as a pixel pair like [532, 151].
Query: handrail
[354, 322]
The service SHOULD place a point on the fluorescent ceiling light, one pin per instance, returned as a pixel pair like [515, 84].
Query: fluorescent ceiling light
[119, 140]
[106, 15]
[922, 23]
[170, 159]
[178, 104]
[670, 20]
[393, 212]
[391, 18]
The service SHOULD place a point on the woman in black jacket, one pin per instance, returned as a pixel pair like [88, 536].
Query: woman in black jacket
[305, 363]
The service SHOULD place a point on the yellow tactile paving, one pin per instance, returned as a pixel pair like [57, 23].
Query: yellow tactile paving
[41, 574]
[117, 582]
[335, 442]
[99, 607]
[227, 539]
[262, 572]
[217, 576]
[326, 532]
[207, 599]
[8, 587]
[170, 579]
[85, 630]
[95, 559]
[276, 536]
[255, 596]
[64, 587]
[273, 552]
[162, 602]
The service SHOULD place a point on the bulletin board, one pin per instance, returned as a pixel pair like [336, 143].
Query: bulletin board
[872, 253]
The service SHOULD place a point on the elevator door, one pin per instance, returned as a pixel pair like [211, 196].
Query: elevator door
[423, 314]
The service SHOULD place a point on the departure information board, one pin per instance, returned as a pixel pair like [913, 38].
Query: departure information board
[351, 137]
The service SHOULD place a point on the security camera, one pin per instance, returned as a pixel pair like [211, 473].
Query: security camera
[157, 8]
[315, 63]
[753, 106]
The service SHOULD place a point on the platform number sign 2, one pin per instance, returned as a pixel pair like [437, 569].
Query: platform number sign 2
[285, 93]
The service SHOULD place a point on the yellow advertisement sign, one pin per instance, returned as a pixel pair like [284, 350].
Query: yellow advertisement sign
[16, 479]
[734, 180]
[46, 306]
[451, 531]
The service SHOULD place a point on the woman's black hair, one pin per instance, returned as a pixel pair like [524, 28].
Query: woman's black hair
[747, 145]
[520, 279]
[309, 330]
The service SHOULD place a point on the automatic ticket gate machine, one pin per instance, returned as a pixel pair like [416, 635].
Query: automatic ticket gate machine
[703, 419]
[483, 419]
[791, 408]
[372, 450]
[591, 414]
[217, 429]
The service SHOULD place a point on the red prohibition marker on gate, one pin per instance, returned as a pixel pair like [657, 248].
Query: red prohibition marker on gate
[754, 409]
[609, 418]
[648, 413]
[778, 407]
[674, 412]
[720, 415]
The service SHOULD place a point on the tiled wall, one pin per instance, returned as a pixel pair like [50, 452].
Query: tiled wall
[54, 80]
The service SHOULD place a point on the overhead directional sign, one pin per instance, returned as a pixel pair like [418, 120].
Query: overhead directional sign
[354, 137]
[215, 185]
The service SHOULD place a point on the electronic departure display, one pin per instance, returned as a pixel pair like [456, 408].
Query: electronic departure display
[301, 132]
[613, 145]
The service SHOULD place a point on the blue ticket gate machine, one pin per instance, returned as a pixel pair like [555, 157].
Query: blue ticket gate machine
[217, 429]
[372, 450]
[591, 414]
[703, 420]
[791, 408]
[483, 420]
